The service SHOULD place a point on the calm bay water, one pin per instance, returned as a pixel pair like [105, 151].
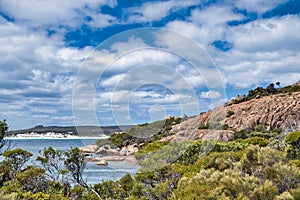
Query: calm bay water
[93, 173]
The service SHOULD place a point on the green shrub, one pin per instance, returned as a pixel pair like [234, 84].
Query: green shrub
[119, 139]
[286, 177]
[110, 190]
[293, 138]
[127, 182]
[156, 184]
[260, 128]
[285, 196]
[260, 134]
[229, 146]
[293, 141]
[267, 191]
[293, 113]
[159, 155]
[191, 154]
[296, 193]
[289, 89]
[262, 142]
[227, 184]
[203, 126]
[229, 113]
[151, 147]
[240, 135]
[295, 162]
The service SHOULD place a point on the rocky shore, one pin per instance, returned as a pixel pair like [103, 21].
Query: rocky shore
[103, 155]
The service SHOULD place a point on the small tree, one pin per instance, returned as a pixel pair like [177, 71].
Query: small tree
[3, 129]
[271, 89]
[32, 179]
[53, 162]
[16, 158]
[75, 163]
[278, 84]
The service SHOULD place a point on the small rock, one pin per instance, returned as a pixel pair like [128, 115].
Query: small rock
[102, 163]
[89, 149]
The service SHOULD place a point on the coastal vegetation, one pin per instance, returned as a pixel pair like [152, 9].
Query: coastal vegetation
[253, 163]
[247, 167]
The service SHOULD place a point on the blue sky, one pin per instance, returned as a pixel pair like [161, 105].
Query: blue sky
[52, 53]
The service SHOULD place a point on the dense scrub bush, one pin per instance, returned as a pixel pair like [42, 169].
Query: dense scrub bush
[157, 184]
[161, 156]
[15, 159]
[120, 139]
[290, 88]
[296, 193]
[213, 184]
[110, 190]
[127, 183]
[260, 134]
[286, 177]
[240, 135]
[229, 146]
[191, 154]
[293, 141]
[262, 142]
[151, 147]
[260, 128]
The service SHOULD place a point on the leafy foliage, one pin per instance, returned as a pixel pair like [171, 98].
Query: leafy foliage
[110, 190]
[16, 159]
[3, 129]
[256, 165]
[127, 182]
[52, 161]
[262, 142]
[290, 88]
[120, 139]
[75, 163]
[293, 140]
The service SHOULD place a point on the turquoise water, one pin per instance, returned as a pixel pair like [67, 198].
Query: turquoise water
[93, 173]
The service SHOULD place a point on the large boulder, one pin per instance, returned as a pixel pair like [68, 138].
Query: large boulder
[89, 149]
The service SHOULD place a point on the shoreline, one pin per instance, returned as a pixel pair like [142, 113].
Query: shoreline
[52, 135]
[107, 159]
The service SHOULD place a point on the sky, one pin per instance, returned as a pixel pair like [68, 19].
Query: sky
[109, 62]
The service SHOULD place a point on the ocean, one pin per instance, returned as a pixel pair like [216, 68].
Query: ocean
[93, 173]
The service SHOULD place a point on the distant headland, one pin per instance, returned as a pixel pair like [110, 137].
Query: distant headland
[65, 131]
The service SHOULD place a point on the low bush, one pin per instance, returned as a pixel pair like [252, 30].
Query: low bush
[262, 142]
[229, 113]
[119, 139]
[293, 142]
